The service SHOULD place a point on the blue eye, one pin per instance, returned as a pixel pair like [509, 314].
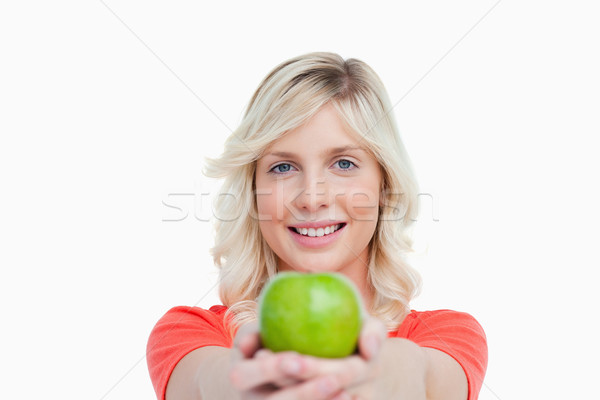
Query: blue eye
[283, 168]
[345, 164]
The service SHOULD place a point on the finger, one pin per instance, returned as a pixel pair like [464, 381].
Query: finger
[247, 339]
[321, 388]
[372, 336]
[342, 396]
[259, 393]
[262, 353]
[279, 382]
[289, 365]
[348, 371]
[266, 368]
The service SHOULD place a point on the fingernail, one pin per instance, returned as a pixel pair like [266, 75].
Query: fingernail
[326, 386]
[291, 366]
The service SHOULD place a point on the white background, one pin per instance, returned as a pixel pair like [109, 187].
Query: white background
[107, 108]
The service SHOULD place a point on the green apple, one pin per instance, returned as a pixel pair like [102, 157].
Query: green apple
[318, 314]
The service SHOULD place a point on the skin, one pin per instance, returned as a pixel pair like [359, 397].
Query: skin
[308, 184]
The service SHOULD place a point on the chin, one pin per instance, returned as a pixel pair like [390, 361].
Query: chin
[315, 266]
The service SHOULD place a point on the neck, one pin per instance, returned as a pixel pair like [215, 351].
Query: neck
[359, 278]
[358, 272]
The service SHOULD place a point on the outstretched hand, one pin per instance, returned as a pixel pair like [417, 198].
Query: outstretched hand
[260, 374]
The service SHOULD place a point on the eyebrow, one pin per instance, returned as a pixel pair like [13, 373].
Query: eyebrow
[326, 152]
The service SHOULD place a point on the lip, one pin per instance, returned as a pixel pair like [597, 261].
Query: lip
[317, 241]
[316, 225]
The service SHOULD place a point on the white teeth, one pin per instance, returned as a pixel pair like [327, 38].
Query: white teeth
[319, 231]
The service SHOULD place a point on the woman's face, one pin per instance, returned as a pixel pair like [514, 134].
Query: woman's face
[319, 180]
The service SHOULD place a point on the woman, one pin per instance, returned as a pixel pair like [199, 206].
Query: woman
[316, 179]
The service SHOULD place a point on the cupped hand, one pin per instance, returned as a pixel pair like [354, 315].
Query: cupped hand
[261, 374]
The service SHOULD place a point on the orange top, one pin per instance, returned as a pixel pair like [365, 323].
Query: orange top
[183, 329]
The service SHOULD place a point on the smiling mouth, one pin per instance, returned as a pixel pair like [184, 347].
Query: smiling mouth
[319, 232]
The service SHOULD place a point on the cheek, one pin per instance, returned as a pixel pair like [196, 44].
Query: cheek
[267, 218]
[275, 202]
[266, 202]
[264, 205]
[362, 203]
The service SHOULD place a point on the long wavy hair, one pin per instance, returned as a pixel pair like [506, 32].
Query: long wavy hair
[286, 98]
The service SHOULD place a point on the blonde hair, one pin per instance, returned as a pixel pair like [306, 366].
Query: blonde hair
[287, 97]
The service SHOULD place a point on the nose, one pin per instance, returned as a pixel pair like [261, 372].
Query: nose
[313, 193]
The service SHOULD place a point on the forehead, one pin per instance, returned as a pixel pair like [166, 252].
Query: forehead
[324, 132]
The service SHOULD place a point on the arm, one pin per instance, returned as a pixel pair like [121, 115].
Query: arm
[202, 374]
[391, 368]
[415, 372]
[406, 370]
[179, 333]
[445, 378]
[206, 373]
